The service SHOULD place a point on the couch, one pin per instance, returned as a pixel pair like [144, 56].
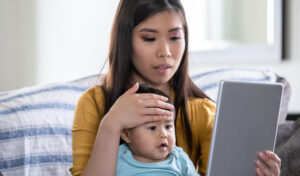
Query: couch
[36, 122]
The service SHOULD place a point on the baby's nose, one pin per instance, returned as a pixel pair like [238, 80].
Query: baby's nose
[163, 133]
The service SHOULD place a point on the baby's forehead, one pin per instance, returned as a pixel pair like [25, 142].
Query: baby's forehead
[160, 121]
[153, 123]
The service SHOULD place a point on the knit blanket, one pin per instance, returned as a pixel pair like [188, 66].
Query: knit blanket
[288, 147]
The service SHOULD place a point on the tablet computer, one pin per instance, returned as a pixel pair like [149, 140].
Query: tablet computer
[245, 123]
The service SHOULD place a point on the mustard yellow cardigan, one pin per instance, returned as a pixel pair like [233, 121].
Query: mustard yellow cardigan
[90, 110]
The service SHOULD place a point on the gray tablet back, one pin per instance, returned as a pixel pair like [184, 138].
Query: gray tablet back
[245, 123]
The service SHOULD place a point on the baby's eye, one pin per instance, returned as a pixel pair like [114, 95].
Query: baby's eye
[169, 126]
[152, 128]
[175, 38]
[148, 39]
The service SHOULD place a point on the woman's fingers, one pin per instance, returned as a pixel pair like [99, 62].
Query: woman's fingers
[263, 169]
[158, 103]
[271, 164]
[131, 109]
[259, 172]
[273, 156]
[151, 118]
[157, 112]
[151, 96]
[133, 89]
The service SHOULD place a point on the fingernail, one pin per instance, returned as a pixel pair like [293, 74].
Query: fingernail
[259, 163]
[169, 118]
[172, 106]
[258, 169]
[165, 98]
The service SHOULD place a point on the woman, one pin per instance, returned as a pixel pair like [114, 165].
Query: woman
[149, 44]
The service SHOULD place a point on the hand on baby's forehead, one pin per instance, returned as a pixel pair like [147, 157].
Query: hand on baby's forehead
[171, 120]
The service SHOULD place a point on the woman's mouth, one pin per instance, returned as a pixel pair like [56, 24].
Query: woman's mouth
[162, 69]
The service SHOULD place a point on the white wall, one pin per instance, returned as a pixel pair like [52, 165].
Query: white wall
[44, 41]
[290, 68]
[17, 44]
[72, 37]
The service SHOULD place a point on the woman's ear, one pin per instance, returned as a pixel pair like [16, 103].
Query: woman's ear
[124, 136]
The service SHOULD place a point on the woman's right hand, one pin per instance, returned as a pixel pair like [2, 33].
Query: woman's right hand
[131, 109]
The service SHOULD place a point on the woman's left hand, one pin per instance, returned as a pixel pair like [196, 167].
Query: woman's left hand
[271, 165]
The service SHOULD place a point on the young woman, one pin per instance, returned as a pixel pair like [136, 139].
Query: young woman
[149, 44]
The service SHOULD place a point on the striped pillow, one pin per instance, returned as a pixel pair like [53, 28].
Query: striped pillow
[35, 122]
[35, 128]
[209, 81]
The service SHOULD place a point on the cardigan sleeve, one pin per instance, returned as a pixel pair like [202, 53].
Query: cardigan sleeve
[88, 113]
[202, 120]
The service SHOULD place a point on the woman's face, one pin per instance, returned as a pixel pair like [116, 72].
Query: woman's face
[158, 46]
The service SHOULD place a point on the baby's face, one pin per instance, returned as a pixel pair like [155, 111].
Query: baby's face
[152, 141]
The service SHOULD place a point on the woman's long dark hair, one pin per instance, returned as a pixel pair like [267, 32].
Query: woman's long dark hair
[129, 14]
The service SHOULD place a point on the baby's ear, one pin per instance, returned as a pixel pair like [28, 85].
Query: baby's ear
[124, 136]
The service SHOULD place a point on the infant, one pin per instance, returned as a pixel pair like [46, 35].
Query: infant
[150, 149]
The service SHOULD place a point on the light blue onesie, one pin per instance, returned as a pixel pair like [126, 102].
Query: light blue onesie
[177, 163]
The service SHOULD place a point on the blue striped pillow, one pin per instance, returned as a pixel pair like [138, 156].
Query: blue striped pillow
[35, 122]
[35, 128]
[209, 81]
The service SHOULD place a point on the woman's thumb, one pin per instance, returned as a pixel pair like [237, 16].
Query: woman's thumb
[133, 89]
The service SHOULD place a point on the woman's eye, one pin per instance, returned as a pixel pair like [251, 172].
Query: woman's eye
[175, 38]
[149, 39]
[152, 128]
[168, 126]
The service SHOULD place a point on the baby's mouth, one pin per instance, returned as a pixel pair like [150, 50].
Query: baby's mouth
[163, 146]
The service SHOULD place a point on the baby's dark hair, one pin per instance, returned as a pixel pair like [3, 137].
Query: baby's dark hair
[145, 88]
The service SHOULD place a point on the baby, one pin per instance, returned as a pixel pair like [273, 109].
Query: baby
[149, 149]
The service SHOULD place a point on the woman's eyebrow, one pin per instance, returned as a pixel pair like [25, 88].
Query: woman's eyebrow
[175, 29]
[148, 30]
[155, 31]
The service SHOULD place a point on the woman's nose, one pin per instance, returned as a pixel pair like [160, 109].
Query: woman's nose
[164, 50]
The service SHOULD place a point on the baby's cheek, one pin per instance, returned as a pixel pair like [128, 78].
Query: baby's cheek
[172, 139]
[173, 136]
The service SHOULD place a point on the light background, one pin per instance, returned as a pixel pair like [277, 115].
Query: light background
[45, 41]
